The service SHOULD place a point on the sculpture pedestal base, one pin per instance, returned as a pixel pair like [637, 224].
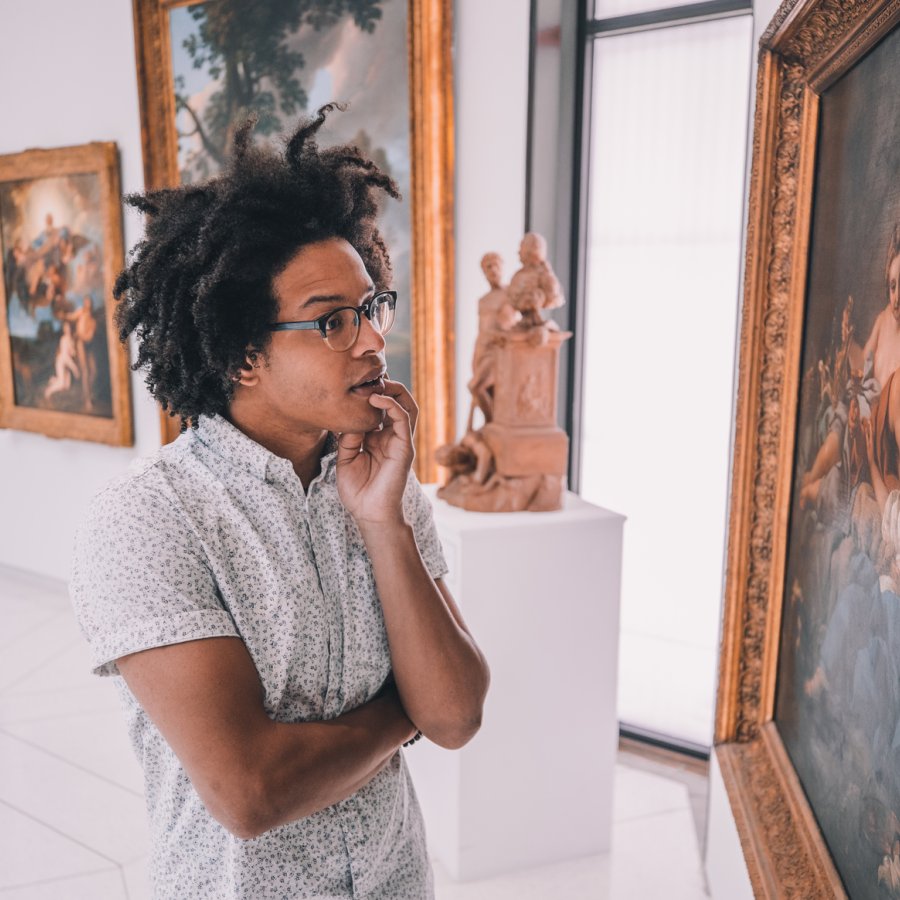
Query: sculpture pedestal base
[532, 493]
[541, 595]
[524, 451]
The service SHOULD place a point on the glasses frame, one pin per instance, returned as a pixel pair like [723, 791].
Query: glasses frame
[318, 324]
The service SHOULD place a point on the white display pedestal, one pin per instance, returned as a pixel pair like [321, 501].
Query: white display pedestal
[540, 594]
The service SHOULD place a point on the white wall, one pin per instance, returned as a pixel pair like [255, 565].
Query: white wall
[726, 871]
[55, 96]
[59, 92]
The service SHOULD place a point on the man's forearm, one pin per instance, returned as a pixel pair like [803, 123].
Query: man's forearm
[441, 674]
[307, 766]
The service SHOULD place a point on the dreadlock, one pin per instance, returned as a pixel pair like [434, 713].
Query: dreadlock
[197, 291]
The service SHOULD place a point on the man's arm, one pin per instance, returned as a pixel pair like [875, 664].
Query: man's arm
[251, 773]
[441, 674]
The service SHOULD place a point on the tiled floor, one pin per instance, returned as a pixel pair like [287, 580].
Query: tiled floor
[72, 814]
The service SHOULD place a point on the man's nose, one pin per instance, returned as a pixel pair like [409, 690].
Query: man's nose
[370, 338]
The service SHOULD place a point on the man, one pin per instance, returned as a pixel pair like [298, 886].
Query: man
[269, 585]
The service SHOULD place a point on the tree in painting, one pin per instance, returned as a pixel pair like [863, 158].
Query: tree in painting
[243, 48]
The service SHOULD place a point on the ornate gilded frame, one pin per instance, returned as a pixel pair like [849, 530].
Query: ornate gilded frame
[806, 48]
[429, 42]
[102, 160]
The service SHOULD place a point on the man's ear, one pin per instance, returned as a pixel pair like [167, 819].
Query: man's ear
[247, 375]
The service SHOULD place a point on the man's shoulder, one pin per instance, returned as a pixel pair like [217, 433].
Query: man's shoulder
[146, 486]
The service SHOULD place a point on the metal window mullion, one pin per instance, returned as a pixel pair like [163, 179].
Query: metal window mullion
[662, 18]
[579, 246]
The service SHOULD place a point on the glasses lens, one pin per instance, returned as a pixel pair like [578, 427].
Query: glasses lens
[341, 328]
[383, 313]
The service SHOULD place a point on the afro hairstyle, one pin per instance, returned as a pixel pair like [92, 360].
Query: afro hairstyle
[197, 289]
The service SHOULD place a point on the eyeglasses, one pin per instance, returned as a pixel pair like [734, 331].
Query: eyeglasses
[340, 327]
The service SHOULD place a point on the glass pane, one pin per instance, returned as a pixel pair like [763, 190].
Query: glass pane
[667, 169]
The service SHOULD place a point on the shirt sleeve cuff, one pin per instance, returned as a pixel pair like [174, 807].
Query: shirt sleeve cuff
[159, 631]
[436, 564]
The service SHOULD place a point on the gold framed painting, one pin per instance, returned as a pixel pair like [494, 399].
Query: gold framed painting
[63, 372]
[808, 714]
[204, 64]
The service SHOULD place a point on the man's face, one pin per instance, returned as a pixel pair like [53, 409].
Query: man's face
[303, 384]
[894, 287]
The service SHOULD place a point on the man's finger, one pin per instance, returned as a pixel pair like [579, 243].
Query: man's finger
[399, 417]
[401, 394]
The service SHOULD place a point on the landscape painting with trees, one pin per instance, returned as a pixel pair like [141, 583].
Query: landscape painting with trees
[281, 59]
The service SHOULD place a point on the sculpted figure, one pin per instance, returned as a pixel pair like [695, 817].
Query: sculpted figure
[534, 287]
[495, 314]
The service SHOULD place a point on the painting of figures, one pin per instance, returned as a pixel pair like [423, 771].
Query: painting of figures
[52, 237]
[280, 60]
[838, 689]
[62, 366]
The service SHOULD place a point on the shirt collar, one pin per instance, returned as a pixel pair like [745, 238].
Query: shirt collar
[230, 443]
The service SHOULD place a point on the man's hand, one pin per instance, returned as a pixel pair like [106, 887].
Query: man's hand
[373, 467]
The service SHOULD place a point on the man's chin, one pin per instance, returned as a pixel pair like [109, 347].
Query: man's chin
[362, 421]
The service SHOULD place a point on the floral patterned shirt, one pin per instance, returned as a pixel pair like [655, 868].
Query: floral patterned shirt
[212, 536]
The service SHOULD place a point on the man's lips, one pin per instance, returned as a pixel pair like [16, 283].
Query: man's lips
[373, 383]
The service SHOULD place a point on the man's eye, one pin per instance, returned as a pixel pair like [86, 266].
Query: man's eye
[335, 322]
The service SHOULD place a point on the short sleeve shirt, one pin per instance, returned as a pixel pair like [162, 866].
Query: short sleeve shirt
[214, 535]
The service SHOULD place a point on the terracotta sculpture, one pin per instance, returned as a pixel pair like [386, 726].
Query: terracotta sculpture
[495, 313]
[517, 459]
[534, 287]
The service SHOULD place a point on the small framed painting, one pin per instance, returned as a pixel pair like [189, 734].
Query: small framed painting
[63, 371]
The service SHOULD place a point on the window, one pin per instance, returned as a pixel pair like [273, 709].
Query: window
[656, 281]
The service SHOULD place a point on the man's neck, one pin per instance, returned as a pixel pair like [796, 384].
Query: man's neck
[302, 448]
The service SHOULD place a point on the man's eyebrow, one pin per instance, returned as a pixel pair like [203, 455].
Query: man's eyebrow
[334, 298]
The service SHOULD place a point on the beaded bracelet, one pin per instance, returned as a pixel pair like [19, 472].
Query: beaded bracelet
[413, 739]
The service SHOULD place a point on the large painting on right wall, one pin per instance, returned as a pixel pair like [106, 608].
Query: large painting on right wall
[838, 696]
[808, 709]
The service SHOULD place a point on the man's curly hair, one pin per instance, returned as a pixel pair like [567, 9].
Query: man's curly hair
[197, 290]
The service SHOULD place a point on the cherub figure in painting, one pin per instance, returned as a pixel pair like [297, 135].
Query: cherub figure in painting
[846, 395]
[85, 330]
[875, 364]
[65, 368]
